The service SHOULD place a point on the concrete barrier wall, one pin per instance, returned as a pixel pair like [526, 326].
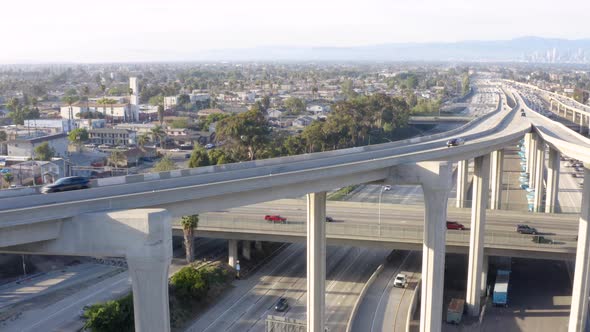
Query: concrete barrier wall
[14, 192]
[368, 284]
[413, 303]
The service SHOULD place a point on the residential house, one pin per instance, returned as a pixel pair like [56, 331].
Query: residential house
[303, 121]
[275, 113]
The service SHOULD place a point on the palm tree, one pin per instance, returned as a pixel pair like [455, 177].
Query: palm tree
[189, 223]
[143, 139]
[111, 102]
[158, 133]
[70, 100]
[104, 102]
[161, 114]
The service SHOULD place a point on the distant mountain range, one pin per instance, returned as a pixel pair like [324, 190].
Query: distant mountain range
[526, 49]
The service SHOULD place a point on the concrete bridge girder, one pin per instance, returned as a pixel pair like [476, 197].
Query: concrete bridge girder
[143, 237]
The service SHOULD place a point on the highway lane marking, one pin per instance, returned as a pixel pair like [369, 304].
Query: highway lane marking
[76, 303]
[330, 285]
[303, 292]
[385, 289]
[248, 292]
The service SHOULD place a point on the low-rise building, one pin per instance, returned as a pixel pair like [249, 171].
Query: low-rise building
[120, 112]
[24, 146]
[139, 128]
[275, 113]
[112, 136]
[208, 111]
[170, 102]
[61, 125]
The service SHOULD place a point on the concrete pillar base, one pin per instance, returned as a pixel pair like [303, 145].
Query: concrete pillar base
[247, 249]
[149, 279]
[232, 252]
[258, 246]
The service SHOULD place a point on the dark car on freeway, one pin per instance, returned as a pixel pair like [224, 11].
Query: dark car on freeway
[542, 239]
[455, 142]
[526, 229]
[67, 184]
[455, 225]
[282, 305]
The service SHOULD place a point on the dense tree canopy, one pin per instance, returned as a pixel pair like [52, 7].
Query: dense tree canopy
[246, 132]
[44, 152]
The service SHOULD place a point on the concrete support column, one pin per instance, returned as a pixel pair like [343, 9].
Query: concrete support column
[247, 249]
[484, 275]
[539, 175]
[553, 165]
[149, 280]
[581, 285]
[477, 233]
[258, 246]
[142, 236]
[581, 123]
[497, 169]
[316, 261]
[232, 252]
[533, 160]
[528, 142]
[462, 182]
[433, 253]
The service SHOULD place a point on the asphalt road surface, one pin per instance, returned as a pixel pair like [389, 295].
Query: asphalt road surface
[246, 307]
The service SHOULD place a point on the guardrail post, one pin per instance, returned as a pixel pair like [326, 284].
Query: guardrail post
[316, 261]
[477, 233]
[581, 284]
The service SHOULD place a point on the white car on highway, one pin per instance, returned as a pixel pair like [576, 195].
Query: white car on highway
[400, 280]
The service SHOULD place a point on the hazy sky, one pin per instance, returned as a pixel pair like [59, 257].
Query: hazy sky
[150, 30]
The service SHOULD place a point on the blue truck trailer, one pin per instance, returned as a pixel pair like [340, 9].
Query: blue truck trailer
[500, 296]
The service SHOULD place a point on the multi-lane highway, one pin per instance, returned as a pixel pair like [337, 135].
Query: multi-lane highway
[385, 307]
[246, 307]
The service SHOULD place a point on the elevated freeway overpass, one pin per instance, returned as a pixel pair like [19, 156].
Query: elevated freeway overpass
[131, 216]
[400, 227]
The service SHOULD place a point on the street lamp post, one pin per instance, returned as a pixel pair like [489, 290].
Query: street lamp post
[379, 209]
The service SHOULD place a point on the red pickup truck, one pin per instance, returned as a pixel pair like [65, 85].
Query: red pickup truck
[275, 218]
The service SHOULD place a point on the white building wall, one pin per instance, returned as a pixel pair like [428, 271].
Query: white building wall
[27, 149]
